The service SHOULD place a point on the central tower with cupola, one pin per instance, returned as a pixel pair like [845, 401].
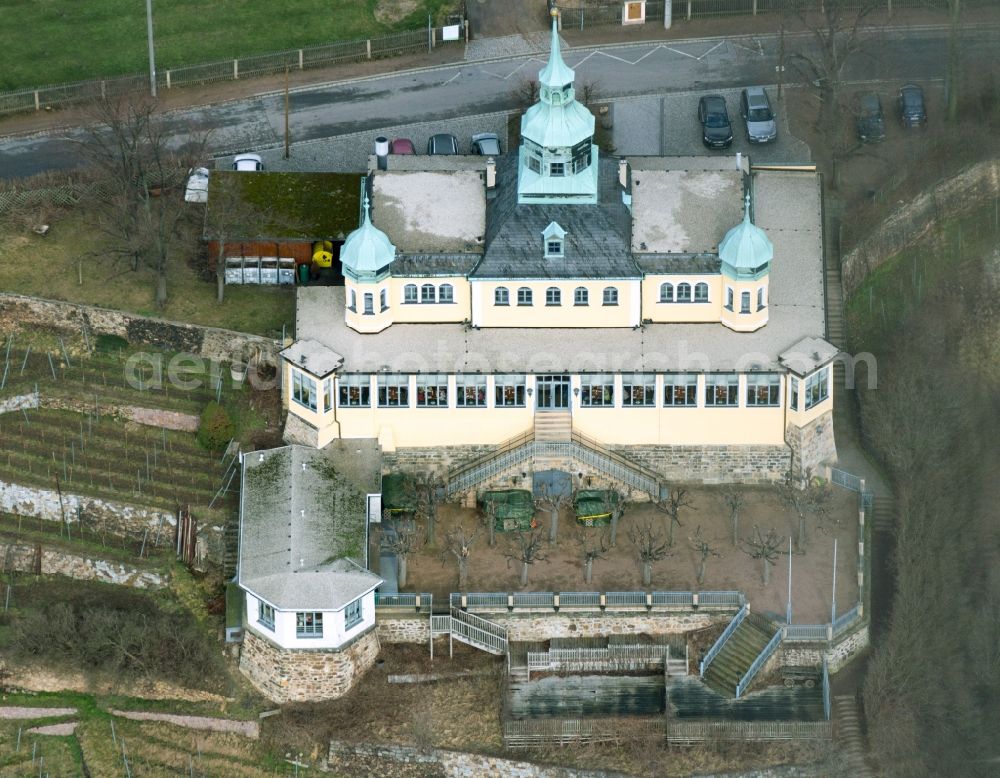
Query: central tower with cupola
[557, 161]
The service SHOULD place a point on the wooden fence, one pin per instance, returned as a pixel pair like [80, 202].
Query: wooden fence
[68, 194]
[537, 733]
[692, 732]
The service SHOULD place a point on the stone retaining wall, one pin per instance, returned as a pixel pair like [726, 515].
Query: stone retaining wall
[454, 764]
[152, 417]
[588, 624]
[812, 446]
[19, 312]
[20, 401]
[22, 558]
[712, 464]
[437, 460]
[402, 627]
[922, 214]
[305, 674]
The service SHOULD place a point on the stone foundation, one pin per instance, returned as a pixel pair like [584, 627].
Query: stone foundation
[305, 674]
[24, 558]
[437, 459]
[837, 655]
[586, 624]
[712, 464]
[300, 432]
[812, 446]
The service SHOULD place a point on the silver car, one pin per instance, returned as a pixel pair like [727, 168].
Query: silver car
[756, 109]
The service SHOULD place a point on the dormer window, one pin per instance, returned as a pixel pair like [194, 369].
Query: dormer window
[554, 241]
[557, 168]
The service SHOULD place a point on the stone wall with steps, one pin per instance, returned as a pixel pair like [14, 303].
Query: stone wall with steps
[305, 674]
[837, 654]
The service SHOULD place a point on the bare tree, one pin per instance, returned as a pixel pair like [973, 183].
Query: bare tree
[134, 153]
[526, 92]
[616, 503]
[401, 539]
[765, 547]
[805, 500]
[671, 506]
[426, 489]
[553, 503]
[650, 545]
[489, 519]
[458, 543]
[228, 215]
[593, 546]
[735, 501]
[704, 549]
[526, 548]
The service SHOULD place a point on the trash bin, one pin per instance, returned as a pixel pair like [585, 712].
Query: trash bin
[303, 274]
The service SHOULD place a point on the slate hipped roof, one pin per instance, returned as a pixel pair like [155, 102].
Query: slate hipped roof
[597, 236]
[303, 524]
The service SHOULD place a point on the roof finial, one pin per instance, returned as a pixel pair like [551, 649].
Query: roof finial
[364, 205]
[555, 74]
[746, 207]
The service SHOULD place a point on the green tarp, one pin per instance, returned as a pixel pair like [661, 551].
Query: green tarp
[514, 508]
[593, 506]
[398, 496]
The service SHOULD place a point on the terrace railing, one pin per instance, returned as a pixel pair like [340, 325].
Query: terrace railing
[691, 732]
[487, 602]
[416, 603]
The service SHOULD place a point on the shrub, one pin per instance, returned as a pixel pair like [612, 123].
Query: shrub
[216, 428]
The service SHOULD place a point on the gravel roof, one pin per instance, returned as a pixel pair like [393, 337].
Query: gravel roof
[313, 356]
[303, 524]
[787, 207]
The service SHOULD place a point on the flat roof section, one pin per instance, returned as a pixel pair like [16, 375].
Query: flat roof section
[424, 212]
[684, 211]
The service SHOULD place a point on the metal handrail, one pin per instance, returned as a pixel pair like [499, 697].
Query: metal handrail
[758, 663]
[502, 448]
[588, 442]
[726, 634]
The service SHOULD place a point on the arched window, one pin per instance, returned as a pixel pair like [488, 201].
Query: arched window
[427, 293]
[666, 293]
[354, 301]
[745, 302]
[369, 304]
[501, 296]
[524, 296]
[553, 296]
[581, 296]
[383, 298]
[610, 295]
[701, 293]
[684, 293]
[446, 294]
[410, 293]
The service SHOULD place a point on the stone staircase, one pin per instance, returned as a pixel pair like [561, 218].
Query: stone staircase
[553, 427]
[884, 514]
[835, 330]
[739, 651]
[847, 731]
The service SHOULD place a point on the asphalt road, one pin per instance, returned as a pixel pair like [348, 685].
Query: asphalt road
[448, 92]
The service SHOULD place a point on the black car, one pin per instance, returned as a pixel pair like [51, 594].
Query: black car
[716, 129]
[912, 112]
[442, 143]
[870, 119]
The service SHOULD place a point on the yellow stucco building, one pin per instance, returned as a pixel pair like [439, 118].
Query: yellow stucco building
[637, 320]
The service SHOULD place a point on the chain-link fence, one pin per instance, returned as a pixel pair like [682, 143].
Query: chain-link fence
[272, 63]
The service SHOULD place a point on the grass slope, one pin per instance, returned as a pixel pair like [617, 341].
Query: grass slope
[52, 41]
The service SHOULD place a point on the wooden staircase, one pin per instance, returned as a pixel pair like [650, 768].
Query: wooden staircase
[738, 653]
[553, 427]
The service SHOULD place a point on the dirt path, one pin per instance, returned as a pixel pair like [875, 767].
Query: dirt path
[250, 729]
[15, 712]
[62, 730]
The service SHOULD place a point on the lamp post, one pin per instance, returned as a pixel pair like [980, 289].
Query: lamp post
[149, 41]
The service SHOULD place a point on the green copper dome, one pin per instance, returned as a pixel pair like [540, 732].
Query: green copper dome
[367, 252]
[746, 249]
[556, 74]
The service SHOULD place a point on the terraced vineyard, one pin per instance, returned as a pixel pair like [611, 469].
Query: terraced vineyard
[109, 459]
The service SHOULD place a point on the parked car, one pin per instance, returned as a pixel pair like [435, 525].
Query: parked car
[870, 119]
[486, 143]
[756, 109]
[442, 143]
[912, 112]
[247, 162]
[716, 129]
[402, 146]
[196, 189]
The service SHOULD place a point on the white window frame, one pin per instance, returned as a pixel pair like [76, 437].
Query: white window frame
[501, 296]
[553, 296]
[446, 293]
[817, 388]
[524, 296]
[265, 615]
[689, 297]
[354, 614]
[434, 388]
[470, 390]
[557, 169]
[610, 295]
[581, 296]
[393, 390]
[597, 390]
[680, 386]
[701, 285]
[309, 625]
[745, 302]
[411, 295]
[666, 292]
[428, 294]
[509, 391]
[354, 391]
[722, 390]
[763, 390]
[369, 300]
[639, 390]
[327, 395]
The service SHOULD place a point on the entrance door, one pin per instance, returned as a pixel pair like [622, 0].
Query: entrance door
[552, 392]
